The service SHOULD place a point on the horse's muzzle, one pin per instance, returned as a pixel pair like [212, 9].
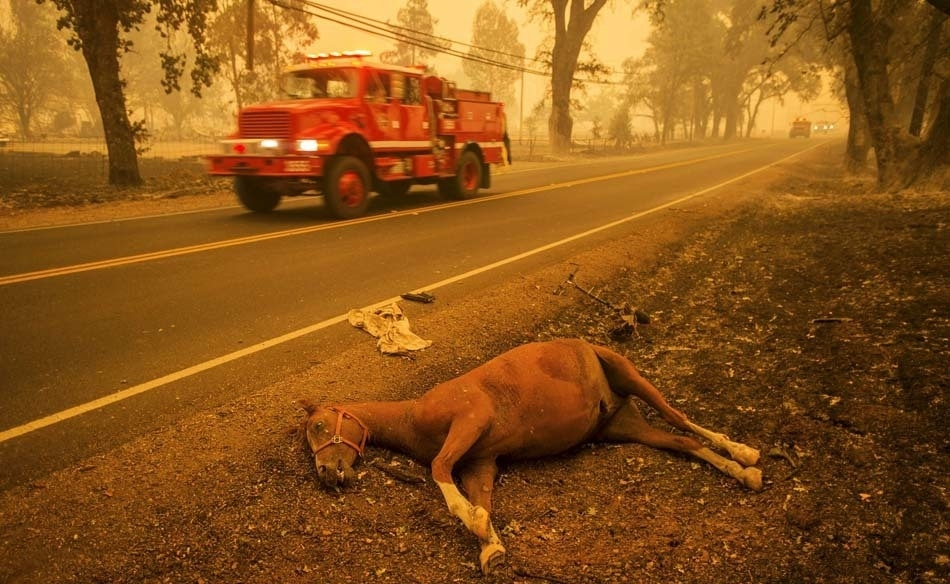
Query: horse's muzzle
[334, 474]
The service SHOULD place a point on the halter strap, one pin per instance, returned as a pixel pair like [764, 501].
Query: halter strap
[338, 438]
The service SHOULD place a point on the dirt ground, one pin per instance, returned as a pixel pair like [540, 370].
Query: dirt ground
[794, 311]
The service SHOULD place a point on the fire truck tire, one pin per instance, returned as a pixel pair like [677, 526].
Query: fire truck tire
[255, 194]
[346, 188]
[468, 177]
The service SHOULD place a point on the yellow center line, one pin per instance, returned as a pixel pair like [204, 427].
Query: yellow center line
[170, 253]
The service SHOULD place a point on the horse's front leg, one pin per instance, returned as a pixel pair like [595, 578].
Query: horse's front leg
[458, 441]
[478, 480]
[474, 518]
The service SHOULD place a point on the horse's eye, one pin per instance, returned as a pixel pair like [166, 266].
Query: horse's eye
[318, 425]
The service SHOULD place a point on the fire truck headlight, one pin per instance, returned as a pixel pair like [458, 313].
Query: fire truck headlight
[307, 146]
[269, 144]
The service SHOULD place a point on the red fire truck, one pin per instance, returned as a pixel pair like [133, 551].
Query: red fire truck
[346, 126]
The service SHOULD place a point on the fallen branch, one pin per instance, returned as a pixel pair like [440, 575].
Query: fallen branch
[631, 317]
[519, 571]
[398, 473]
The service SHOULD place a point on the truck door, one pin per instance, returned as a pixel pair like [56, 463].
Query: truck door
[415, 118]
[383, 107]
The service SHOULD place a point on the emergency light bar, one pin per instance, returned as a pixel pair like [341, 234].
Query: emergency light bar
[356, 53]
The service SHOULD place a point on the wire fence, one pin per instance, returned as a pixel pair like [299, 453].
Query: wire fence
[78, 164]
[86, 160]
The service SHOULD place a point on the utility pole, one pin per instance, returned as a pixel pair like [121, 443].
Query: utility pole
[521, 112]
[250, 35]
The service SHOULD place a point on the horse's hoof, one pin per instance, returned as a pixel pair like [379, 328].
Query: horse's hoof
[745, 455]
[492, 556]
[752, 478]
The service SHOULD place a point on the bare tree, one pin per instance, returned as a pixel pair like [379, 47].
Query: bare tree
[31, 68]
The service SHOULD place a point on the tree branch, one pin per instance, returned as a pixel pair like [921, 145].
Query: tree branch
[941, 5]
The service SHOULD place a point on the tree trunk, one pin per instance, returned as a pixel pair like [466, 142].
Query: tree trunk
[732, 120]
[668, 109]
[926, 73]
[97, 26]
[560, 122]
[869, 38]
[731, 89]
[753, 112]
[716, 91]
[569, 33]
[935, 151]
[25, 119]
[859, 140]
[700, 109]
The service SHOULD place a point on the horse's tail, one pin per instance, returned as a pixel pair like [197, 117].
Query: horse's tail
[624, 380]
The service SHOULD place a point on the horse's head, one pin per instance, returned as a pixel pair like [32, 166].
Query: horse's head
[337, 439]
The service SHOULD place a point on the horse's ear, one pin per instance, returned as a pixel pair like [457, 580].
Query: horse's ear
[307, 405]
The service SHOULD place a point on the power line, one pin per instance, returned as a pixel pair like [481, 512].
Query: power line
[413, 34]
[392, 32]
[388, 31]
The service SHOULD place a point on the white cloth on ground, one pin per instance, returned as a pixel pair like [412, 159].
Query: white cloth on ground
[391, 327]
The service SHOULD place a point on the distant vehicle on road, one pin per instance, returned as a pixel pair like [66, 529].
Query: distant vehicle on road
[823, 127]
[800, 127]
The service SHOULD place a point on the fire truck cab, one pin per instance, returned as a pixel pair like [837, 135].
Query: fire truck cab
[345, 126]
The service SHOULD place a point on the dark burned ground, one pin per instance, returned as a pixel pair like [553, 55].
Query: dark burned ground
[811, 321]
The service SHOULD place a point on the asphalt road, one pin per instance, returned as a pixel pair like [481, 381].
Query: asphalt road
[111, 329]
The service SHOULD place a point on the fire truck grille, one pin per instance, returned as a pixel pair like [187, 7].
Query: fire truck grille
[273, 124]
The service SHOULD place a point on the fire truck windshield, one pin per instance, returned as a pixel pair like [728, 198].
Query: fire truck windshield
[319, 83]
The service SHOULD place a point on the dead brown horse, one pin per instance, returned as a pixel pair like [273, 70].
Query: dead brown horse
[536, 400]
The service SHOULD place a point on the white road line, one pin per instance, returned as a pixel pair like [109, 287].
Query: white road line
[200, 367]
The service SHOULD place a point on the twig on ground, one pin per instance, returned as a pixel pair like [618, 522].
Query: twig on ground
[631, 317]
[398, 473]
[519, 571]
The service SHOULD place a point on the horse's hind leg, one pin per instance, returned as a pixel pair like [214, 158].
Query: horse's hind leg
[627, 425]
[478, 480]
[624, 380]
[738, 451]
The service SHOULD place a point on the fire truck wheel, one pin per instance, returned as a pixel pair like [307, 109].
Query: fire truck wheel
[468, 177]
[346, 189]
[255, 194]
